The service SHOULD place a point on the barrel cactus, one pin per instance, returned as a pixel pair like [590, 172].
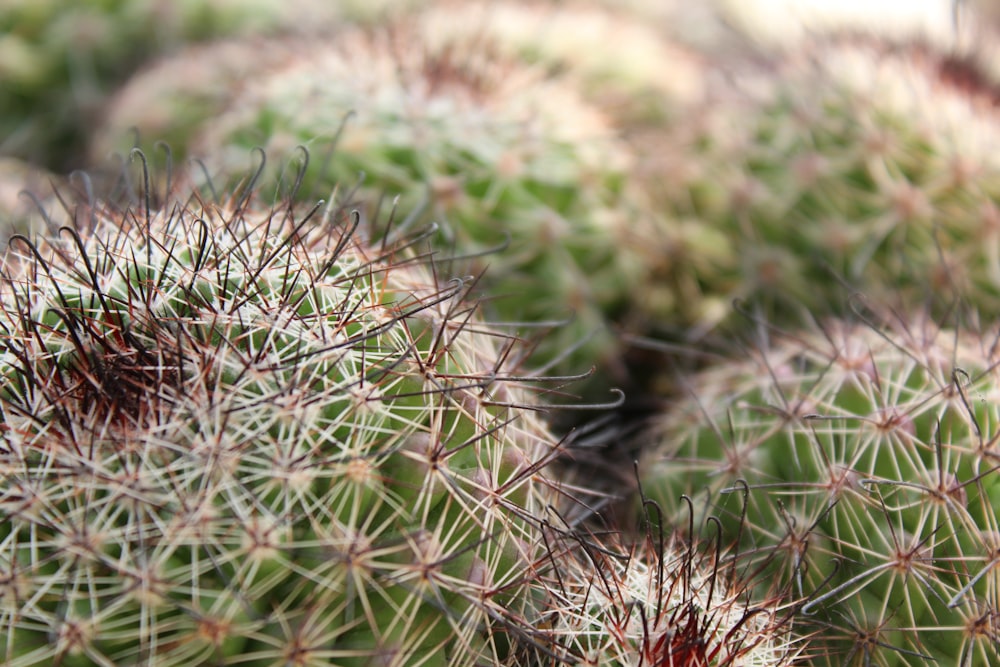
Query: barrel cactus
[234, 434]
[862, 463]
[853, 165]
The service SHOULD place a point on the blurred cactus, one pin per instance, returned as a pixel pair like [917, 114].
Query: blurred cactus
[60, 59]
[622, 64]
[172, 97]
[497, 153]
[854, 166]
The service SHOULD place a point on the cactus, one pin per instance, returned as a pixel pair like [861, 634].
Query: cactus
[173, 95]
[496, 152]
[60, 58]
[239, 435]
[621, 63]
[664, 600]
[863, 463]
[857, 163]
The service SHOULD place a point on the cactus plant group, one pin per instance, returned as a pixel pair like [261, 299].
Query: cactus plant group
[301, 394]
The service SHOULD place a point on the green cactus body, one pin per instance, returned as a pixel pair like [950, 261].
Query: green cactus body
[234, 437]
[855, 166]
[492, 150]
[622, 64]
[870, 466]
